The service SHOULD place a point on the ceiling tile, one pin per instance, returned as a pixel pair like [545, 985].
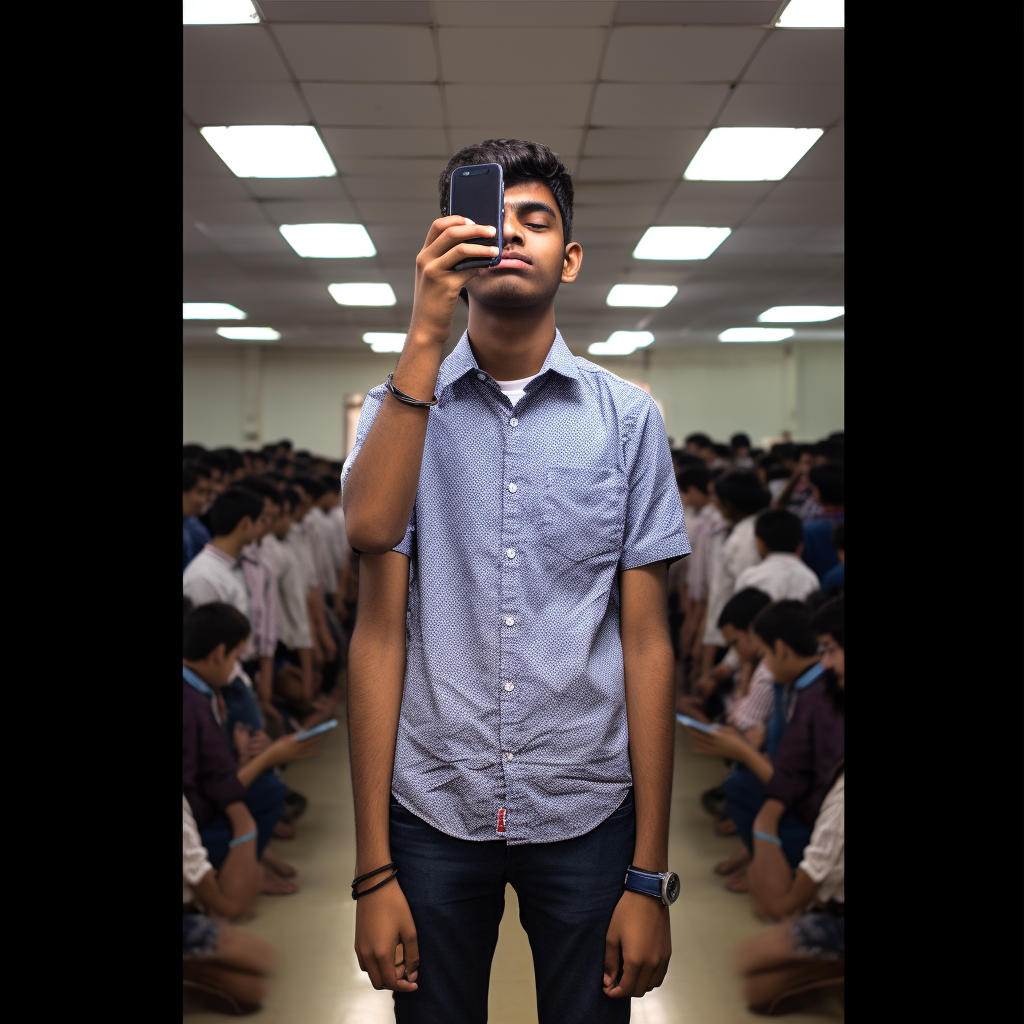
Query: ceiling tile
[231, 53]
[528, 55]
[808, 56]
[212, 189]
[672, 53]
[243, 238]
[295, 188]
[679, 143]
[563, 141]
[722, 191]
[770, 213]
[621, 193]
[208, 213]
[380, 187]
[649, 169]
[819, 192]
[692, 12]
[418, 105]
[614, 216]
[763, 241]
[493, 104]
[524, 12]
[424, 167]
[638, 105]
[218, 103]
[712, 215]
[605, 236]
[783, 106]
[392, 142]
[386, 211]
[359, 53]
[826, 158]
[338, 211]
[415, 12]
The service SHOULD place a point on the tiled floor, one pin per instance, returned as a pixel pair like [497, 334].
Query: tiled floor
[319, 981]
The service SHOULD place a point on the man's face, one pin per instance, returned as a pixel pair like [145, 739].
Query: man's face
[746, 643]
[221, 665]
[535, 259]
[283, 523]
[217, 482]
[194, 502]
[267, 518]
[833, 657]
[694, 497]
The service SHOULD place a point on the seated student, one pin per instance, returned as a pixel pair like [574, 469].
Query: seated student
[195, 496]
[781, 574]
[834, 581]
[796, 495]
[217, 466]
[812, 946]
[827, 484]
[224, 797]
[739, 447]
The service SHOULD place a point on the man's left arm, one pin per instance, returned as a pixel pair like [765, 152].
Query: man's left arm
[639, 942]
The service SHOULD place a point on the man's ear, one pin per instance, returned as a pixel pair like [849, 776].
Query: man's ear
[780, 649]
[799, 548]
[762, 548]
[218, 654]
[571, 262]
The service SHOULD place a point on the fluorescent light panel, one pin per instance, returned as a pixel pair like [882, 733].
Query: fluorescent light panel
[271, 150]
[211, 311]
[750, 154]
[679, 243]
[218, 12]
[641, 295]
[813, 14]
[800, 314]
[249, 333]
[384, 342]
[757, 334]
[621, 343]
[359, 293]
[329, 241]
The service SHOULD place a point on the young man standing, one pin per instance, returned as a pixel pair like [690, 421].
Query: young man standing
[195, 497]
[511, 672]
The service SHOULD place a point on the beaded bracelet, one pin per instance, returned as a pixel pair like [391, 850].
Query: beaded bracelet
[767, 838]
[241, 839]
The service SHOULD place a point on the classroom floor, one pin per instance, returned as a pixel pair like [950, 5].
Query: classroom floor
[319, 981]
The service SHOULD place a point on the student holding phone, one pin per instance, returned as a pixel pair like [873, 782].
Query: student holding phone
[511, 672]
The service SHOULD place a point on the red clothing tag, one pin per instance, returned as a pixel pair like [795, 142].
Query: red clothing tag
[501, 819]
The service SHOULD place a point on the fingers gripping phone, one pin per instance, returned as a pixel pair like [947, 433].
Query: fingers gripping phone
[317, 730]
[478, 192]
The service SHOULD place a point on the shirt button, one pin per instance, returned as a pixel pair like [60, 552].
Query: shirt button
[511, 552]
[510, 687]
[510, 621]
[513, 422]
[513, 488]
[508, 756]
[481, 376]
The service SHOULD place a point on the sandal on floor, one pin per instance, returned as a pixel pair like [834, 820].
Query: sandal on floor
[738, 882]
[210, 998]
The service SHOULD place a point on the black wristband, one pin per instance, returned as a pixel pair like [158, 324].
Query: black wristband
[370, 874]
[357, 895]
[407, 399]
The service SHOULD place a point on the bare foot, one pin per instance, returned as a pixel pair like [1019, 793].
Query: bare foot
[282, 830]
[277, 865]
[725, 827]
[738, 882]
[275, 885]
[740, 859]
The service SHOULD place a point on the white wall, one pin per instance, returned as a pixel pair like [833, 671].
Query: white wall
[248, 396]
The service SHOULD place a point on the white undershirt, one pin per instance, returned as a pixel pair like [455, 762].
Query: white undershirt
[513, 390]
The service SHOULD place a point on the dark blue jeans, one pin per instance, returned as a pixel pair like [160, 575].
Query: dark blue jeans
[265, 799]
[456, 891]
[744, 797]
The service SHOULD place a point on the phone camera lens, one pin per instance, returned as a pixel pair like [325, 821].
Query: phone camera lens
[465, 174]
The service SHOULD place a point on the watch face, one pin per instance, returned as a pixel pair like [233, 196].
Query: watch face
[671, 888]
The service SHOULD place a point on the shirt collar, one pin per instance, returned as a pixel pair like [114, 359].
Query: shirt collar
[222, 556]
[809, 676]
[196, 681]
[462, 361]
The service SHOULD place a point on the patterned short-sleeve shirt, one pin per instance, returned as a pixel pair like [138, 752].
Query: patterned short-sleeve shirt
[513, 720]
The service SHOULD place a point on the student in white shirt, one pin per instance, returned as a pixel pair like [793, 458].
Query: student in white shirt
[781, 574]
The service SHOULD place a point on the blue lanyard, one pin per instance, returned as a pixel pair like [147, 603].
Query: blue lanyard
[809, 676]
[196, 681]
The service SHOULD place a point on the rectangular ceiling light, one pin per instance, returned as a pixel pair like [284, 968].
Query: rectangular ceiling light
[672, 243]
[757, 334]
[800, 314]
[384, 342]
[211, 311]
[218, 12]
[359, 293]
[621, 343]
[249, 333]
[813, 14]
[641, 294]
[329, 241]
[271, 150]
[750, 154]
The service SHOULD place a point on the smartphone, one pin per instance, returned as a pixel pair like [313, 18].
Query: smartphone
[692, 723]
[317, 730]
[477, 191]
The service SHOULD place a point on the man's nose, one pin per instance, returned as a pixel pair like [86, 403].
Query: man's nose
[512, 230]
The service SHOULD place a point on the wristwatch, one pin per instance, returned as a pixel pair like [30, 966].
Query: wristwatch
[663, 886]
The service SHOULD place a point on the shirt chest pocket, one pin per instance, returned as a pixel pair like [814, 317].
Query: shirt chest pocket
[584, 510]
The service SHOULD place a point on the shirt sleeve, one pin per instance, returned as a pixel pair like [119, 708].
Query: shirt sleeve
[793, 761]
[199, 590]
[371, 406]
[655, 530]
[195, 860]
[827, 840]
[218, 774]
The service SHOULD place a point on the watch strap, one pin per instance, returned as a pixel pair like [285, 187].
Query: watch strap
[646, 882]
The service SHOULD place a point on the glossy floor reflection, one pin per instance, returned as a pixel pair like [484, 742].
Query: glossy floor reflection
[319, 981]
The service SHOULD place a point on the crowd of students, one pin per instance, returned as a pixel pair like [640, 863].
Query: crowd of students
[268, 601]
[758, 627]
[757, 614]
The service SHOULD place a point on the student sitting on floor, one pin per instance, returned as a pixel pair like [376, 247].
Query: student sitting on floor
[781, 574]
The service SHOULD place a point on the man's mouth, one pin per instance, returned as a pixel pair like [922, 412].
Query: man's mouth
[513, 261]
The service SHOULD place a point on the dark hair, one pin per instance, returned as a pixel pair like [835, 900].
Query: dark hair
[231, 508]
[191, 473]
[262, 486]
[780, 530]
[310, 484]
[743, 491]
[834, 451]
[213, 460]
[303, 455]
[192, 451]
[520, 162]
[336, 467]
[721, 450]
[778, 472]
[830, 618]
[790, 622]
[839, 536]
[700, 440]
[682, 459]
[233, 457]
[331, 483]
[291, 498]
[829, 479]
[741, 609]
[739, 441]
[186, 606]
[694, 476]
[283, 443]
[212, 624]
